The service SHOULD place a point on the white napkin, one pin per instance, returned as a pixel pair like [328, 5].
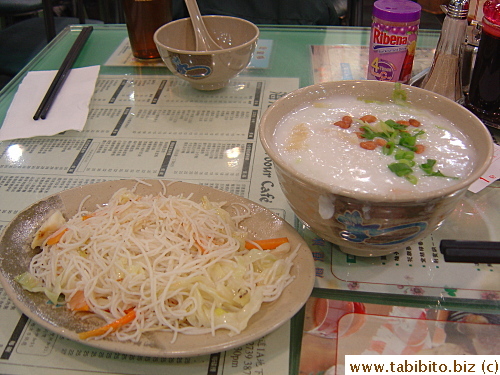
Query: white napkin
[68, 112]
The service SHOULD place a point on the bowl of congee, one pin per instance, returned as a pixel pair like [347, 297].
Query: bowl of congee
[373, 166]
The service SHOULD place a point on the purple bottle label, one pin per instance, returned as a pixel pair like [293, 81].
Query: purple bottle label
[392, 49]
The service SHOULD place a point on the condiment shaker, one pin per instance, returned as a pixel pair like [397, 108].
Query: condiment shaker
[445, 76]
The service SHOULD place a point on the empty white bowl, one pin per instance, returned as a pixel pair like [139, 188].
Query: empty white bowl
[207, 70]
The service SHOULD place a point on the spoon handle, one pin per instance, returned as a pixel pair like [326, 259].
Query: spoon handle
[204, 41]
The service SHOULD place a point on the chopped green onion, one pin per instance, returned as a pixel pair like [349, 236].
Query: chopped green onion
[418, 133]
[393, 124]
[404, 154]
[387, 133]
[400, 169]
[407, 140]
[412, 178]
[428, 168]
[410, 163]
[399, 94]
[388, 149]
[368, 100]
[369, 133]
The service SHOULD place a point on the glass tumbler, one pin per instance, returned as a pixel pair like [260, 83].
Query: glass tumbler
[143, 18]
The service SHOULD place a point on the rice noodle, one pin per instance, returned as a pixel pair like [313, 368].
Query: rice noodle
[181, 265]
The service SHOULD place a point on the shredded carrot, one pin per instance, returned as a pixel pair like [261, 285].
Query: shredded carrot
[78, 303]
[200, 248]
[113, 326]
[269, 244]
[56, 237]
[85, 217]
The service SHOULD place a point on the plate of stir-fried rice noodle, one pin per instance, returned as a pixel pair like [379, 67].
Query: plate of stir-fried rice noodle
[155, 268]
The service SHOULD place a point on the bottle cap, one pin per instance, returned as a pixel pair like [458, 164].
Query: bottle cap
[491, 11]
[397, 10]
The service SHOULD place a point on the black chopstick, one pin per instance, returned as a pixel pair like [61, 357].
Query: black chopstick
[62, 74]
[470, 251]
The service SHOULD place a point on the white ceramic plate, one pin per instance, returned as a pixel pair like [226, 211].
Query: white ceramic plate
[15, 255]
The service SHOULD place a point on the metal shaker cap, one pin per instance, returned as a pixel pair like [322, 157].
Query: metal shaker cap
[457, 9]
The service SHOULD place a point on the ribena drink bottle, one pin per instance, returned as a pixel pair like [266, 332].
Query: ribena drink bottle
[393, 40]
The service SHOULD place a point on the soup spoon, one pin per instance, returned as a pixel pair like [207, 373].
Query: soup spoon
[204, 41]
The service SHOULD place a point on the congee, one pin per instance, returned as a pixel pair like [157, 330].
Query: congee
[367, 146]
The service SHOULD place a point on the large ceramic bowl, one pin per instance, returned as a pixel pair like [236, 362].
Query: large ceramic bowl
[207, 70]
[363, 223]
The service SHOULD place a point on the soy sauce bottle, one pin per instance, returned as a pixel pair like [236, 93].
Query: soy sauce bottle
[484, 90]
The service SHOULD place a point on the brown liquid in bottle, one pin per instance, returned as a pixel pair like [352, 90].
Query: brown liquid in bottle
[143, 18]
[484, 93]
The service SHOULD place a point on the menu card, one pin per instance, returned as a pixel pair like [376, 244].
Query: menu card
[153, 127]
[146, 127]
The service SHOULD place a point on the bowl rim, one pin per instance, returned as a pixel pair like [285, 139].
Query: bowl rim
[367, 196]
[202, 53]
